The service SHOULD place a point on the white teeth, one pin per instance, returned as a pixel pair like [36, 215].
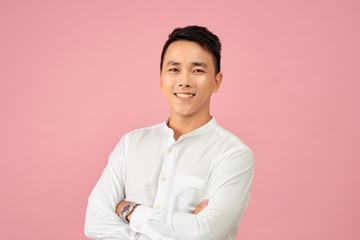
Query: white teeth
[184, 95]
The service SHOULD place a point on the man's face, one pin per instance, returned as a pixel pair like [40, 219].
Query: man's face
[188, 79]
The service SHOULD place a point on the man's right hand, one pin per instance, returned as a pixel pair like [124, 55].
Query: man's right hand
[201, 206]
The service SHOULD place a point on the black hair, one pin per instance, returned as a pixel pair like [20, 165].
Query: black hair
[200, 35]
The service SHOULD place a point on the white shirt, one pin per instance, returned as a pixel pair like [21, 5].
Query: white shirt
[169, 179]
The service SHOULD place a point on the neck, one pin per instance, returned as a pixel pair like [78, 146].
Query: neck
[184, 124]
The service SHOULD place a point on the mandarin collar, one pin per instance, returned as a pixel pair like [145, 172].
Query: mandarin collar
[199, 131]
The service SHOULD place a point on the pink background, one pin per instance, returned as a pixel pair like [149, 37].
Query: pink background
[76, 75]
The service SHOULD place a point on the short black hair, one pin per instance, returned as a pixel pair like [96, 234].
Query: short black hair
[200, 35]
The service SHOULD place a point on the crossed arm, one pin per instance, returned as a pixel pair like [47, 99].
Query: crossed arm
[228, 194]
[198, 209]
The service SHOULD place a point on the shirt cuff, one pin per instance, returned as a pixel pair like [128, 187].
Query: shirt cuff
[160, 224]
[139, 218]
[147, 221]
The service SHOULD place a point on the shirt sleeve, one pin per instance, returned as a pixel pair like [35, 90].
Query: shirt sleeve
[228, 193]
[101, 221]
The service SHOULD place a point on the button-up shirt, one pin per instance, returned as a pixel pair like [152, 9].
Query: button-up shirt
[169, 179]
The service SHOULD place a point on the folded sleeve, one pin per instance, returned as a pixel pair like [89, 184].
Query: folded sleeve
[228, 192]
[101, 221]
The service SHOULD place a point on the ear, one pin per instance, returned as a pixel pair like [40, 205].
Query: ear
[218, 80]
[160, 80]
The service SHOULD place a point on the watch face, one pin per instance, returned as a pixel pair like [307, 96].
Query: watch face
[124, 210]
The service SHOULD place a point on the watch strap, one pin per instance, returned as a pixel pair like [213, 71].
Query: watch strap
[126, 210]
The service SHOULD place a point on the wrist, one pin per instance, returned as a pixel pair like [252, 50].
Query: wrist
[126, 210]
[128, 217]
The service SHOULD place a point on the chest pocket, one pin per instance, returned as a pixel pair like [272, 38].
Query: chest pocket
[187, 193]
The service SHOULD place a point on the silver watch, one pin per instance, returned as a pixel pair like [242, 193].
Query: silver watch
[126, 210]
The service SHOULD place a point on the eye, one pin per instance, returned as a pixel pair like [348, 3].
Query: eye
[198, 71]
[173, 70]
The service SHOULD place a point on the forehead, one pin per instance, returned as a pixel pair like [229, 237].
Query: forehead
[187, 51]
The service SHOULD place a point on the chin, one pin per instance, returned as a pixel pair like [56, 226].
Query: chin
[184, 113]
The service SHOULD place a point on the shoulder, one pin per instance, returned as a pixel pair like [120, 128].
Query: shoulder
[150, 130]
[137, 136]
[231, 147]
[228, 138]
[144, 133]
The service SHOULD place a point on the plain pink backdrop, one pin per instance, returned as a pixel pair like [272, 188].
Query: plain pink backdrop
[76, 75]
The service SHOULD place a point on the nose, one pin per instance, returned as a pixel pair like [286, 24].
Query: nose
[185, 80]
[186, 85]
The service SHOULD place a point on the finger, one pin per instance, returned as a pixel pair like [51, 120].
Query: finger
[204, 204]
[197, 209]
[201, 206]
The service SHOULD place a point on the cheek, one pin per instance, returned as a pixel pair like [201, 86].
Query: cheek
[166, 89]
[167, 83]
[163, 84]
[207, 85]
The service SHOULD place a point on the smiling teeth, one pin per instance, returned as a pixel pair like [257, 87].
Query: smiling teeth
[183, 95]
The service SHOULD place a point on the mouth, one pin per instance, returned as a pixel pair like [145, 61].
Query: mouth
[185, 96]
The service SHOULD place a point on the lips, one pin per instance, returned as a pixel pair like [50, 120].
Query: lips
[184, 95]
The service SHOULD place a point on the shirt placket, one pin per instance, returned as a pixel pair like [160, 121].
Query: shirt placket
[165, 173]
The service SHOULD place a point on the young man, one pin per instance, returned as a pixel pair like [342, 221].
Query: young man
[187, 178]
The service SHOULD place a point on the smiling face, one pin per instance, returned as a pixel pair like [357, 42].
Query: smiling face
[188, 79]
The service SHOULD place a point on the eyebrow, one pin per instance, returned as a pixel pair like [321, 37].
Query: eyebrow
[172, 63]
[198, 64]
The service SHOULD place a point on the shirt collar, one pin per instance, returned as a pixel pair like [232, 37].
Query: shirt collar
[199, 131]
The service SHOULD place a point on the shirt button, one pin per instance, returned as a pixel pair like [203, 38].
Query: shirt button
[157, 206]
[159, 238]
[169, 131]
[138, 228]
[170, 150]
[163, 178]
